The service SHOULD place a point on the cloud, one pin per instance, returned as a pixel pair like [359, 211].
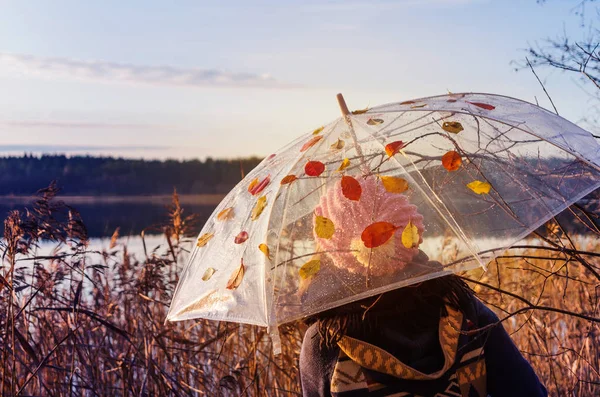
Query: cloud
[344, 5]
[104, 71]
[75, 148]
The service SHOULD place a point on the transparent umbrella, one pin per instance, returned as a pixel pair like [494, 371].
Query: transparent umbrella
[357, 206]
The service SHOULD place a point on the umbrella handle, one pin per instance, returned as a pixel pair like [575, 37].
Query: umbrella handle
[346, 115]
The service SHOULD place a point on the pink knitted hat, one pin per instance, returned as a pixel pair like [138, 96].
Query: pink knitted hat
[350, 218]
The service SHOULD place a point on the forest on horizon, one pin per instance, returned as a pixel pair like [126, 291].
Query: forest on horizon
[109, 176]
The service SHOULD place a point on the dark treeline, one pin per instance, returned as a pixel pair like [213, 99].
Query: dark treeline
[86, 175]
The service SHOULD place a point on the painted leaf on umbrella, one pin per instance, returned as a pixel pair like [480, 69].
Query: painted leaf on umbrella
[451, 161]
[410, 236]
[288, 179]
[264, 248]
[208, 274]
[394, 184]
[324, 227]
[205, 238]
[452, 126]
[259, 186]
[377, 234]
[393, 147]
[260, 205]
[482, 105]
[241, 237]
[407, 102]
[310, 268]
[226, 214]
[479, 187]
[337, 145]
[236, 277]
[418, 106]
[252, 185]
[318, 130]
[351, 189]
[314, 168]
[312, 142]
[374, 121]
[345, 164]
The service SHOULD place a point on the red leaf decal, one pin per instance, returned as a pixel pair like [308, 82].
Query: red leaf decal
[260, 186]
[482, 105]
[393, 148]
[314, 168]
[351, 188]
[377, 234]
[241, 237]
[311, 143]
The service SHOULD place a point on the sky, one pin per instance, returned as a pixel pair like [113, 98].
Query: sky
[191, 79]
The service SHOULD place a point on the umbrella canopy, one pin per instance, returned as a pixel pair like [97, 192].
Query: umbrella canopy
[349, 210]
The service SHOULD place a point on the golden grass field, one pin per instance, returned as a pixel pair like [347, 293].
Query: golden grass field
[83, 323]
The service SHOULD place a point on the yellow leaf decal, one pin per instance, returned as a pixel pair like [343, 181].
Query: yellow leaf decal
[480, 187]
[360, 111]
[394, 184]
[418, 106]
[345, 164]
[324, 227]
[410, 236]
[202, 240]
[208, 274]
[264, 248]
[310, 268]
[374, 121]
[452, 126]
[236, 277]
[318, 130]
[226, 214]
[260, 205]
[337, 145]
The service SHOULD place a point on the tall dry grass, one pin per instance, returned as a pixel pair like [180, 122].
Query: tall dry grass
[79, 322]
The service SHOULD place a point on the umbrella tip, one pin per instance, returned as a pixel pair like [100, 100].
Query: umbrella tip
[343, 106]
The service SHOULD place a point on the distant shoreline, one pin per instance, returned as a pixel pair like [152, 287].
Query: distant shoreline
[197, 199]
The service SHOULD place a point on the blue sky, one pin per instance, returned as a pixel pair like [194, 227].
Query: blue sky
[214, 78]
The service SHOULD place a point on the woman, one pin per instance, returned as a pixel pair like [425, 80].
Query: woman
[430, 339]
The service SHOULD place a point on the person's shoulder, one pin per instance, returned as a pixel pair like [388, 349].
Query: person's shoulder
[484, 314]
[311, 343]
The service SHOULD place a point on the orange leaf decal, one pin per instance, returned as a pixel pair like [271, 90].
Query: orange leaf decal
[407, 103]
[241, 237]
[394, 184]
[314, 168]
[393, 148]
[311, 143]
[351, 189]
[452, 126]
[482, 105]
[202, 240]
[236, 277]
[374, 121]
[260, 205]
[318, 131]
[226, 214]
[451, 160]
[258, 187]
[288, 179]
[377, 234]
[418, 106]
[252, 185]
